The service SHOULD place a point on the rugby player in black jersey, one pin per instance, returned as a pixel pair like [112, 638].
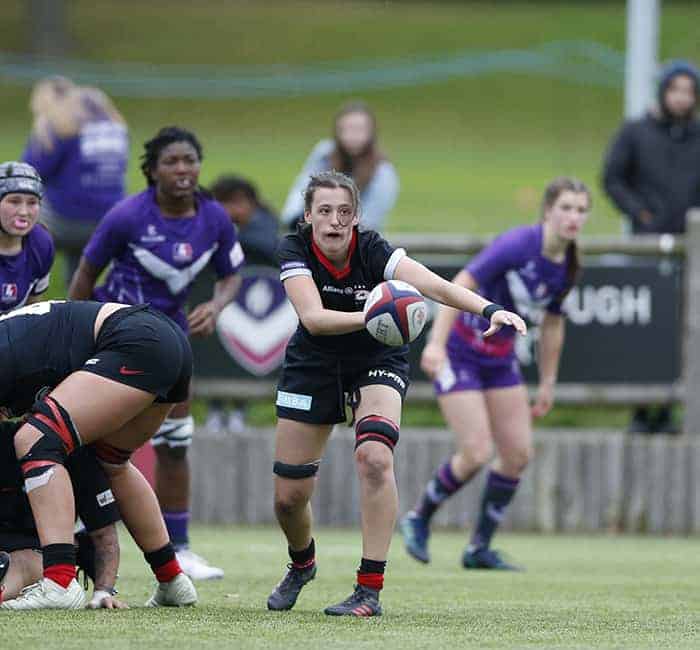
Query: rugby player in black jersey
[90, 373]
[328, 266]
[98, 550]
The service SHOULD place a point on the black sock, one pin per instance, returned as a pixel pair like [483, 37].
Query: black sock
[53, 554]
[498, 493]
[161, 556]
[371, 574]
[305, 558]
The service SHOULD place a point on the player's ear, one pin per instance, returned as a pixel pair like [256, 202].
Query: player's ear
[307, 216]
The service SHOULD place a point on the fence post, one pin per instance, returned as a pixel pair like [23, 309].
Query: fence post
[691, 356]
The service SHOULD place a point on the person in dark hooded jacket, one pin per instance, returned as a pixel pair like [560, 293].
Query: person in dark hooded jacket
[652, 175]
[652, 167]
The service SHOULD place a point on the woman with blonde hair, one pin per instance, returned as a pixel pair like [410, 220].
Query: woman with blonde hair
[79, 145]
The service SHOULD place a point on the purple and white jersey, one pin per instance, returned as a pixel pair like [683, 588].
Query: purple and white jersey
[27, 273]
[155, 259]
[512, 272]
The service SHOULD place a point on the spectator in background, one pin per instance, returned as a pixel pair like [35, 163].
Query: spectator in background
[79, 144]
[355, 152]
[652, 174]
[257, 229]
[257, 224]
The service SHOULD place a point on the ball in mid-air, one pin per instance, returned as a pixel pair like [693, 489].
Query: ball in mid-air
[395, 313]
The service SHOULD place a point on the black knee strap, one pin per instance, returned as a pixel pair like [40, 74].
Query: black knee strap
[296, 471]
[110, 454]
[54, 422]
[377, 428]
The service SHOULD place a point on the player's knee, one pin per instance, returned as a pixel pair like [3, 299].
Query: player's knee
[290, 499]
[476, 454]
[174, 437]
[517, 460]
[59, 437]
[171, 455]
[375, 464]
[376, 428]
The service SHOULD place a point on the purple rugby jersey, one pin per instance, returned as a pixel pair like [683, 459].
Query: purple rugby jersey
[155, 259]
[84, 175]
[512, 272]
[27, 273]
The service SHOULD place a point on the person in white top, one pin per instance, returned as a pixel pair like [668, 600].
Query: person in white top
[354, 151]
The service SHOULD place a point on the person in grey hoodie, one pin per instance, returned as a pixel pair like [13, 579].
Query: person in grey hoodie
[354, 151]
[652, 175]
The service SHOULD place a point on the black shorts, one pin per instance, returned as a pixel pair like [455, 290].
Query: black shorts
[18, 540]
[313, 385]
[141, 347]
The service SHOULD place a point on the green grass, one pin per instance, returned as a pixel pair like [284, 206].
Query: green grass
[578, 592]
[473, 154]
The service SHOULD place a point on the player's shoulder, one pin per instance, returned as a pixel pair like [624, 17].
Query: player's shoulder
[133, 206]
[39, 239]
[211, 209]
[297, 242]
[520, 239]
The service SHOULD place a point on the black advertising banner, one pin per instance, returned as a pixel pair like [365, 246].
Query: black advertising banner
[623, 326]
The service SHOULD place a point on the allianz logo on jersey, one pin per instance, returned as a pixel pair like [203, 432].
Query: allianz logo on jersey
[360, 292]
[152, 235]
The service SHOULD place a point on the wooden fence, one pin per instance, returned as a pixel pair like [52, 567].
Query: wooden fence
[592, 481]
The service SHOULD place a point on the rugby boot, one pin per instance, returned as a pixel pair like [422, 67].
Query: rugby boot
[415, 532]
[178, 592]
[196, 567]
[361, 602]
[285, 594]
[486, 558]
[46, 594]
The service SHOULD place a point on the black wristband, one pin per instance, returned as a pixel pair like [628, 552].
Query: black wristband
[490, 309]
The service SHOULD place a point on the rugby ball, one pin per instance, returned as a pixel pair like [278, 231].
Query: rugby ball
[395, 313]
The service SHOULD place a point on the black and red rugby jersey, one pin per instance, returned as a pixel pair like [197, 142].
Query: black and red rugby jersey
[372, 260]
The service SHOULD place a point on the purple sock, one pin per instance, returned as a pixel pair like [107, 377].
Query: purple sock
[177, 522]
[443, 485]
[498, 493]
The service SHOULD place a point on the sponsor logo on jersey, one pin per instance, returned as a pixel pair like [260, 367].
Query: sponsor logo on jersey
[182, 252]
[92, 362]
[255, 328]
[152, 235]
[105, 498]
[9, 292]
[329, 288]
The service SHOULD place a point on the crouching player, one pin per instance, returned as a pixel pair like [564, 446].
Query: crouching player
[20, 549]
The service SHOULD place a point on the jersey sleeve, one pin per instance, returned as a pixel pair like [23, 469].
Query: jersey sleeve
[95, 503]
[110, 239]
[46, 252]
[292, 257]
[503, 254]
[382, 257]
[228, 258]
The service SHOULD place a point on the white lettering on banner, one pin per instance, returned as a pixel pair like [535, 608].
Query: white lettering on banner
[609, 305]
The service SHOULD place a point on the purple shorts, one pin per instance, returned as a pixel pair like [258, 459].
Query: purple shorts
[468, 370]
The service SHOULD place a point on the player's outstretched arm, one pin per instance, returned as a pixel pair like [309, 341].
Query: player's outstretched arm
[458, 297]
[318, 320]
[106, 544]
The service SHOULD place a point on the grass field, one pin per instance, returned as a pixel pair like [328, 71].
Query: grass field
[577, 592]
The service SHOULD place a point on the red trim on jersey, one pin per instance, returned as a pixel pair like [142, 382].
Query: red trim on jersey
[337, 273]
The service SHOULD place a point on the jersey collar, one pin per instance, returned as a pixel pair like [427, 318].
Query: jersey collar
[338, 274]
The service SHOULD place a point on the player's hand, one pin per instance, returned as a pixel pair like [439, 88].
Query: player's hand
[202, 319]
[502, 317]
[433, 359]
[544, 400]
[105, 600]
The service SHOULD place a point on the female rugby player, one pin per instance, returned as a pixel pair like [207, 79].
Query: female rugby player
[158, 241]
[328, 267]
[478, 382]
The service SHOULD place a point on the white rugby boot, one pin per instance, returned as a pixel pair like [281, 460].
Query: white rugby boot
[179, 592]
[46, 594]
[196, 567]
